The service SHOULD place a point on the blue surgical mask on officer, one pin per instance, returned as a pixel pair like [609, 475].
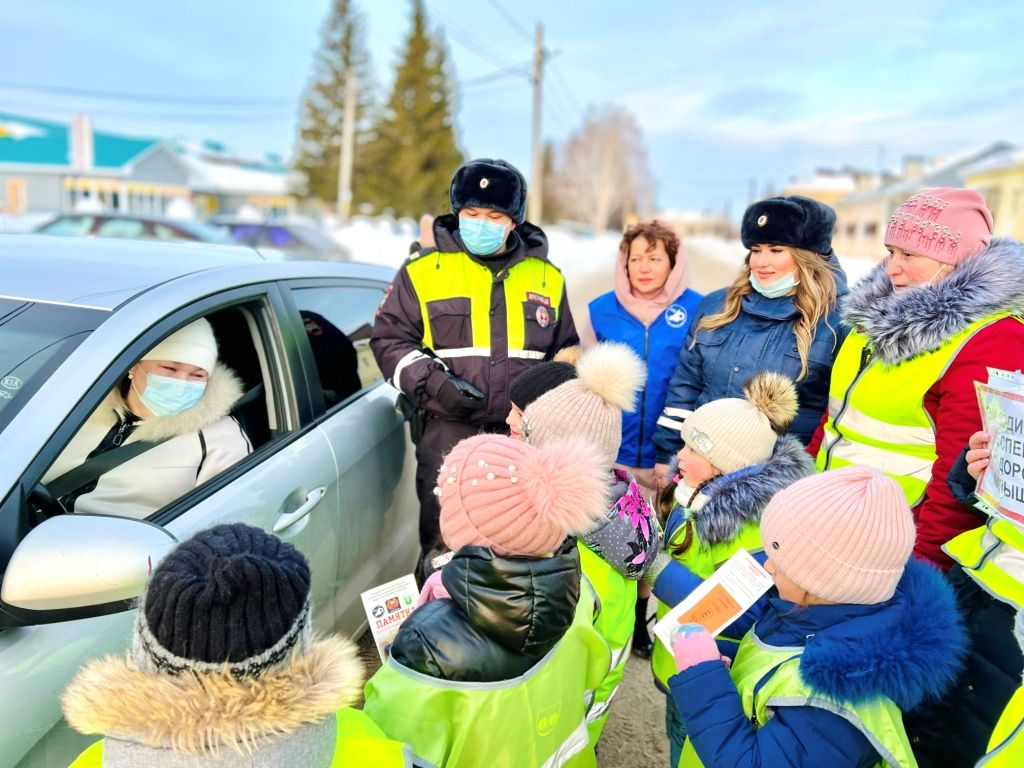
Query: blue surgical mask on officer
[168, 396]
[483, 237]
[779, 288]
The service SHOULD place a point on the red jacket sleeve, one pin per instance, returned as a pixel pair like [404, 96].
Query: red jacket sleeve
[953, 405]
[819, 435]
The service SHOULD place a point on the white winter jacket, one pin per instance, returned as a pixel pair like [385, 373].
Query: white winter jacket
[203, 441]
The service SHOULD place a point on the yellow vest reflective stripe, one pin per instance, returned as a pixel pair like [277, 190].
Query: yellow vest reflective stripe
[540, 715]
[880, 720]
[359, 743]
[1006, 747]
[876, 411]
[702, 561]
[614, 622]
[442, 276]
[984, 554]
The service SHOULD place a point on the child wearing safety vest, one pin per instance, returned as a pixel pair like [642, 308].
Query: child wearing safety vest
[854, 632]
[500, 667]
[552, 403]
[223, 670]
[733, 462]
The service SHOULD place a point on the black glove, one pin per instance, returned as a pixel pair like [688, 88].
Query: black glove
[459, 397]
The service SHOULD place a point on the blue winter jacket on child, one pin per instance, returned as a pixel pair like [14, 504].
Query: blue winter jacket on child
[905, 649]
[761, 338]
[658, 346]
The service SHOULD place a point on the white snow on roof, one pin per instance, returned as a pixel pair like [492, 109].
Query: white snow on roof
[212, 170]
[996, 162]
[825, 182]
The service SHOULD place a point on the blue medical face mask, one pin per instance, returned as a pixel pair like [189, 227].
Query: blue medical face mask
[167, 396]
[776, 289]
[480, 236]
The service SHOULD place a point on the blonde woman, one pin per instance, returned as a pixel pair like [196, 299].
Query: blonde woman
[780, 314]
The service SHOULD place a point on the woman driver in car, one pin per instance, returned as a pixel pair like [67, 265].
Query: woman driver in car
[177, 396]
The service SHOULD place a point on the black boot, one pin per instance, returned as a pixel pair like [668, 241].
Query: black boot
[642, 645]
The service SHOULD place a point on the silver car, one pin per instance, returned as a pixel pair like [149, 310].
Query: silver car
[331, 469]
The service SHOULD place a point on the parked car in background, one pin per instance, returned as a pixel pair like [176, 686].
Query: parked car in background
[298, 239]
[133, 227]
[331, 471]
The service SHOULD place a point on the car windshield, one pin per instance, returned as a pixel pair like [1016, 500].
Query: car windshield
[316, 239]
[35, 337]
[205, 232]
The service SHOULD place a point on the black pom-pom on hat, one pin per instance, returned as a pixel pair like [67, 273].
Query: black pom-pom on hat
[491, 184]
[232, 594]
[795, 221]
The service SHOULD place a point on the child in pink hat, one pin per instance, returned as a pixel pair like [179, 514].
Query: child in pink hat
[854, 633]
[502, 670]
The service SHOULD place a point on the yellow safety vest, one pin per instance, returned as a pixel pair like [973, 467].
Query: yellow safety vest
[880, 720]
[876, 413]
[539, 717]
[702, 561]
[360, 743]
[978, 553]
[533, 290]
[614, 622]
[1006, 747]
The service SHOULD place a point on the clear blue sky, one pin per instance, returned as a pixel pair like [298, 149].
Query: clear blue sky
[725, 92]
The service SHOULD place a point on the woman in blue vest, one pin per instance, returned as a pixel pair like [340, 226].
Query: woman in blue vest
[780, 314]
[649, 310]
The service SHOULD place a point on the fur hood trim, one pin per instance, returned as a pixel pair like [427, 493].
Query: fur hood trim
[909, 651]
[733, 500]
[903, 326]
[202, 712]
[223, 390]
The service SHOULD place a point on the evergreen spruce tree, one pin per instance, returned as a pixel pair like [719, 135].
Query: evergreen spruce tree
[413, 152]
[317, 154]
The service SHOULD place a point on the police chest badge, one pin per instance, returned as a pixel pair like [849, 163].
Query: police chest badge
[543, 316]
[675, 316]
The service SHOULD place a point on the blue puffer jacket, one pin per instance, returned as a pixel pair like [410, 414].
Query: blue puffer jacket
[906, 649]
[658, 346]
[761, 338]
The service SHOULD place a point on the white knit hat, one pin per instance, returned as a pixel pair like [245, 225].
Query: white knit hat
[194, 345]
[733, 433]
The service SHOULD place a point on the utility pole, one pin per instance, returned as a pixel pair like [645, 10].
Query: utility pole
[536, 194]
[348, 138]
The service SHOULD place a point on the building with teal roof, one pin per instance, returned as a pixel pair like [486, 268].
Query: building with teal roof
[48, 166]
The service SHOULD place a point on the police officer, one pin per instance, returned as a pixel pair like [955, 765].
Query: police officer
[463, 319]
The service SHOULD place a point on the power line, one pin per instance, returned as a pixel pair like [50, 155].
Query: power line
[169, 116]
[468, 41]
[217, 101]
[518, 70]
[512, 22]
[563, 87]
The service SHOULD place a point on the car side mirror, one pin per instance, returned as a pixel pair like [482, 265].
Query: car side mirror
[81, 560]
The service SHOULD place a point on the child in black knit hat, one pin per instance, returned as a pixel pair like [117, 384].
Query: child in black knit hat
[223, 669]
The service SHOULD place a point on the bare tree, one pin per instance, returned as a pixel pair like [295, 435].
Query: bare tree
[602, 176]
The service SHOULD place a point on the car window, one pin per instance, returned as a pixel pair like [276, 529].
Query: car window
[75, 226]
[120, 228]
[314, 238]
[163, 232]
[279, 237]
[233, 413]
[34, 339]
[339, 323]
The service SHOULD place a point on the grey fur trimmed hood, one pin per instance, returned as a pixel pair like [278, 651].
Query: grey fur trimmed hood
[903, 326]
[738, 498]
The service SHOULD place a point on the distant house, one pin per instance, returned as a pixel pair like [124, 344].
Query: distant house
[826, 185]
[1000, 179]
[862, 217]
[49, 166]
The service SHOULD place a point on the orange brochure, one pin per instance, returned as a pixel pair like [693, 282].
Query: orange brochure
[720, 599]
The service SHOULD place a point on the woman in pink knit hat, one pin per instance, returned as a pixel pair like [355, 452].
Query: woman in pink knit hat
[924, 326]
[500, 670]
[854, 633]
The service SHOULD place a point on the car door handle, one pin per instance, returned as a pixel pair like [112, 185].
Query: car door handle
[291, 518]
